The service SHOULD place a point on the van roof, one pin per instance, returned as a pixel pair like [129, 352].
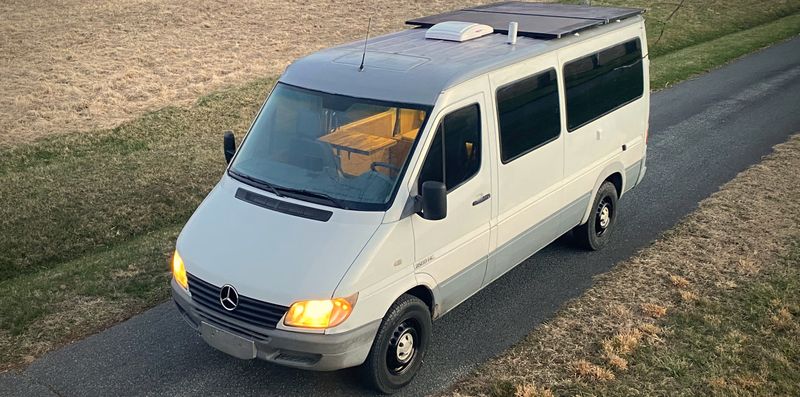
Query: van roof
[405, 67]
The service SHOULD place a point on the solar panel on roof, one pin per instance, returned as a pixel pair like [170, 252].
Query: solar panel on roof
[605, 14]
[529, 25]
[544, 21]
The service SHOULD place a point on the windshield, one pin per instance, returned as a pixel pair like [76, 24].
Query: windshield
[331, 149]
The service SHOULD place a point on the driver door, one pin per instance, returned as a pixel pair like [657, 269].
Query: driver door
[453, 251]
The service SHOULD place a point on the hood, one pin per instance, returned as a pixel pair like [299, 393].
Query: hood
[269, 255]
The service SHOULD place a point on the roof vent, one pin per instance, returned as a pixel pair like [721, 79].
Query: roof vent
[457, 31]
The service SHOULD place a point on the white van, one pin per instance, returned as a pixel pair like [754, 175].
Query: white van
[379, 188]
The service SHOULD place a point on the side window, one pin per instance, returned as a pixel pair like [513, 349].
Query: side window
[455, 153]
[528, 113]
[601, 82]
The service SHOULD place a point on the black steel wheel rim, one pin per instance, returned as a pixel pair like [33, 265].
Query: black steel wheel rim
[604, 216]
[403, 347]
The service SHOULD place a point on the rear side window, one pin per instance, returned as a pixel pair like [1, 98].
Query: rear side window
[455, 153]
[528, 114]
[601, 82]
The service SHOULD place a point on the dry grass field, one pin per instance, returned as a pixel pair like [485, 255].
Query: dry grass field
[78, 65]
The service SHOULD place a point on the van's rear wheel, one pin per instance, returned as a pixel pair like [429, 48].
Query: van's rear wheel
[594, 234]
[400, 345]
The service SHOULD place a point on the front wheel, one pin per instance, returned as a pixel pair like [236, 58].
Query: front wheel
[594, 234]
[399, 346]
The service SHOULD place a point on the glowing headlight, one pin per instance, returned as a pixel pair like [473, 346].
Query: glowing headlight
[325, 313]
[179, 270]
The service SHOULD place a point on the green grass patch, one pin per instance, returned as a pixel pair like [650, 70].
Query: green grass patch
[700, 21]
[70, 195]
[744, 342]
[82, 296]
[92, 217]
[690, 61]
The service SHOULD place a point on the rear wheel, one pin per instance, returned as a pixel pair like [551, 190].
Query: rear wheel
[594, 234]
[400, 345]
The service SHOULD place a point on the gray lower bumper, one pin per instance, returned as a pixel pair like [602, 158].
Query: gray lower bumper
[319, 352]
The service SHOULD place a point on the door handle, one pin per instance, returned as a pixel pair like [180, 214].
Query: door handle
[482, 199]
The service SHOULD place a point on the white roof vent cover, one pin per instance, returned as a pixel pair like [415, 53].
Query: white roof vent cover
[457, 31]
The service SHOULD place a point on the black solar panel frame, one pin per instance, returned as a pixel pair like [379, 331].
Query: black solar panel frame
[605, 14]
[538, 20]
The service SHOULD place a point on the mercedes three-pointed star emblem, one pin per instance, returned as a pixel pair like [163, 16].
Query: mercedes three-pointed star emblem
[228, 297]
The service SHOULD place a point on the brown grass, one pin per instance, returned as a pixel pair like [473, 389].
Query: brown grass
[688, 296]
[714, 248]
[532, 391]
[79, 65]
[653, 310]
[783, 319]
[650, 329]
[76, 65]
[678, 281]
[587, 370]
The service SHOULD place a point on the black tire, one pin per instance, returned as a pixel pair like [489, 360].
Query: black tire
[595, 233]
[389, 367]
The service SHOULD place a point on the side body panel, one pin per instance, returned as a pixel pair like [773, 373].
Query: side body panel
[529, 199]
[453, 251]
[545, 193]
[383, 271]
[613, 143]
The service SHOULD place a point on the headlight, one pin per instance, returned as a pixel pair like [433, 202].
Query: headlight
[179, 270]
[325, 313]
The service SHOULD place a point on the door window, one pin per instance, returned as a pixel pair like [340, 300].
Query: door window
[455, 153]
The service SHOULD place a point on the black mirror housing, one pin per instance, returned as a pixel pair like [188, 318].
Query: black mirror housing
[433, 200]
[229, 145]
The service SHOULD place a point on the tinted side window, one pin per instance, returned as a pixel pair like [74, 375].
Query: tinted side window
[455, 153]
[601, 82]
[528, 114]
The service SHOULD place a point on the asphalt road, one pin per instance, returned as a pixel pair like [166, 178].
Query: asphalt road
[703, 132]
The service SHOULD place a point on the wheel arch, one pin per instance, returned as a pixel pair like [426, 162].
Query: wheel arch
[427, 290]
[613, 173]
[424, 294]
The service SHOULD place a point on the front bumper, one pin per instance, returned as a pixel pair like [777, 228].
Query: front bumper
[319, 352]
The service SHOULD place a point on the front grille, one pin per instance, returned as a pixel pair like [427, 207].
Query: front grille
[249, 311]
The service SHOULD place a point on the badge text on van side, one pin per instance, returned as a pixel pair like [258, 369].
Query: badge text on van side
[423, 262]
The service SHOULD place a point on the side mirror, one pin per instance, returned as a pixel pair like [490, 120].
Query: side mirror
[229, 145]
[433, 200]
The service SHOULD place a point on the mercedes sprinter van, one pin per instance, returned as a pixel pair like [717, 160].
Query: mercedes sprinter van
[383, 182]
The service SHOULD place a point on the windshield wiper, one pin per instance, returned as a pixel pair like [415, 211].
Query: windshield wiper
[278, 189]
[333, 200]
[258, 182]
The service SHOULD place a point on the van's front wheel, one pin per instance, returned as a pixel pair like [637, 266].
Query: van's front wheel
[400, 345]
[594, 234]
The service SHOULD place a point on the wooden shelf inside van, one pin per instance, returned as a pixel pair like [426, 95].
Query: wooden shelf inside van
[357, 142]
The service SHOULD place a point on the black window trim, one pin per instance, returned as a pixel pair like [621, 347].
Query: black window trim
[436, 130]
[564, 78]
[497, 112]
